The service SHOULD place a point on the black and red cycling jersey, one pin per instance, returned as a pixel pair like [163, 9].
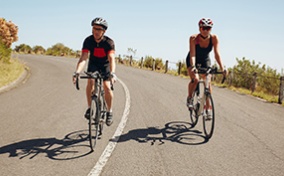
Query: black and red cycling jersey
[98, 51]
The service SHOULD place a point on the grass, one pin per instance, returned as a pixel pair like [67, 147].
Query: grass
[258, 93]
[10, 71]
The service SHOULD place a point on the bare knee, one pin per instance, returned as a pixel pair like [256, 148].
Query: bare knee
[107, 89]
[194, 81]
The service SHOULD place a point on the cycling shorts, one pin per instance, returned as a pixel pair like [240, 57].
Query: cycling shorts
[104, 69]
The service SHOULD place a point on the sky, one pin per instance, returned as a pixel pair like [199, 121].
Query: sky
[157, 28]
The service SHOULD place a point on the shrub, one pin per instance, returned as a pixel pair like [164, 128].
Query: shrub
[8, 35]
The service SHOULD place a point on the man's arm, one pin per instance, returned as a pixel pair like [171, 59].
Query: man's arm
[82, 62]
[111, 58]
[80, 65]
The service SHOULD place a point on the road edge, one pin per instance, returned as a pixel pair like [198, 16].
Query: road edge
[19, 81]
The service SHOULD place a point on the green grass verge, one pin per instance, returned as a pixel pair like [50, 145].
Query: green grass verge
[10, 71]
[259, 94]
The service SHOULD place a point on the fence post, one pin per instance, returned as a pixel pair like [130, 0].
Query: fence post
[130, 62]
[119, 59]
[141, 66]
[253, 84]
[166, 66]
[153, 66]
[179, 68]
[281, 90]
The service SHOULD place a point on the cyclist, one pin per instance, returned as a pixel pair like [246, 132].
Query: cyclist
[201, 45]
[100, 50]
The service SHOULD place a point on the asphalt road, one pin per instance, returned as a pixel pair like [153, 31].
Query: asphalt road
[43, 131]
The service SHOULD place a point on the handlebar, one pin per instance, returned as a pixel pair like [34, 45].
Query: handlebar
[91, 75]
[211, 70]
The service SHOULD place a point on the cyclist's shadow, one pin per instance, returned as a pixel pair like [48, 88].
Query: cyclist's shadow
[73, 145]
[177, 131]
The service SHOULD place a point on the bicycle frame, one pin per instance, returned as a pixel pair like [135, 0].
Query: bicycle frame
[99, 93]
[206, 84]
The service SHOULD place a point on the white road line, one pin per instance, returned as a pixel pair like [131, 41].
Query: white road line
[96, 171]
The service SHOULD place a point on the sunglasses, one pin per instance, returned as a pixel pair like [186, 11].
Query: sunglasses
[205, 28]
[98, 29]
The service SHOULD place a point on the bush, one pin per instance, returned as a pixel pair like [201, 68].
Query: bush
[8, 35]
[149, 61]
[60, 50]
[5, 53]
[243, 76]
[23, 48]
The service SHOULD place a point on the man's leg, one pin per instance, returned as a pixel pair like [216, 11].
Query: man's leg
[109, 101]
[89, 89]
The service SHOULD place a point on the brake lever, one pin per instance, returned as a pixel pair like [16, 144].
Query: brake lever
[77, 82]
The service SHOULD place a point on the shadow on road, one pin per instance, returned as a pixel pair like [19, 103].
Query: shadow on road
[73, 145]
[179, 132]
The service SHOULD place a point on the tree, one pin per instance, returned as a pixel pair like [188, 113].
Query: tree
[8, 35]
[23, 48]
[59, 50]
[38, 49]
[131, 50]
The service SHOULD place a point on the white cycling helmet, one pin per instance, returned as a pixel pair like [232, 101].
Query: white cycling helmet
[100, 21]
[205, 22]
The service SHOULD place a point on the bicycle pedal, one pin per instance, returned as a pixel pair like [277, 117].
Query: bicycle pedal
[208, 118]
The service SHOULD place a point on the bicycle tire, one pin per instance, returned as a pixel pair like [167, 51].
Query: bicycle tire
[208, 116]
[93, 126]
[194, 112]
[102, 116]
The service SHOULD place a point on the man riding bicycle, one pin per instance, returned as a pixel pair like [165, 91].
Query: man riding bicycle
[101, 53]
[200, 46]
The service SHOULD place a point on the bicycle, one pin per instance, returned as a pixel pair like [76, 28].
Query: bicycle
[98, 106]
[203, 104]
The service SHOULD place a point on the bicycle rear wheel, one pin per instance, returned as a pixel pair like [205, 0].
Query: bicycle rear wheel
[194, 112]
[208, 116]
[93, 123]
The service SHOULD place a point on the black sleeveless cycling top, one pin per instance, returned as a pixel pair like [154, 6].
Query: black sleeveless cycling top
[203, 53]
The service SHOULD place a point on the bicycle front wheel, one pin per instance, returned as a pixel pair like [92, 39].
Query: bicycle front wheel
[194, 111]
[208, 117]
[102, 105]
[93, 123]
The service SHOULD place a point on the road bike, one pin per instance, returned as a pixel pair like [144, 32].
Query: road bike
[203, 104]
[98, 107]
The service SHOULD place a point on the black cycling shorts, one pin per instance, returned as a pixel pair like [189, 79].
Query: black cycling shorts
[204, 63]
[104, 69]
